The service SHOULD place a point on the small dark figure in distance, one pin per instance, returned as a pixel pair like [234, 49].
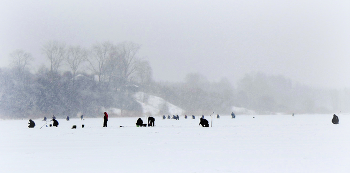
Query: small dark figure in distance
[335, 119]
[31, 123]
[139, 123]
[174, 117]
[204, 122]
[151, 121]
[193, 117]
[168, 116]
[105, 119]
[177, 117]
[82, 117]
[74, 127]
[185, 116]
[44, 119]
[55, 122]
[67, 118]
[53, 117]
[233, 115]
[217, 116]
[164, 117]
[82, 126]
[202, 116]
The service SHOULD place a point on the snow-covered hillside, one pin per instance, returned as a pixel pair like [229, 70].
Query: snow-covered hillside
[153, 105]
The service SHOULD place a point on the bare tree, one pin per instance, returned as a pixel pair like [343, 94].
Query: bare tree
[55, 52]
[75, 57]
[128, 59]
[143, 72]
[20, 59]
[101, 54]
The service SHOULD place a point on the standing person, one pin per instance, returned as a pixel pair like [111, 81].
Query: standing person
[105, 119]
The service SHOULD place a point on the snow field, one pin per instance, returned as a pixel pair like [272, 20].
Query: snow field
[266, 143]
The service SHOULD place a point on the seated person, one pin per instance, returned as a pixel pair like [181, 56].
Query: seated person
[31, 123]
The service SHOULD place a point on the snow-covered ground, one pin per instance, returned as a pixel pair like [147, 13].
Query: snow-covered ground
[276, 143]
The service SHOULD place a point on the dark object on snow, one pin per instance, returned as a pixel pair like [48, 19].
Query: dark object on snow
[105, 119]
[168, 116]
[50, 125]
[67, 118]
[74, 127]
[193, 117]
[185, 116]
[82, 117]
[53, 117]
[82, 126]
[202, 116]
[204, 122]
[31, 123]
[176, 117]
[139, 123]
[44, 119]
[55, 122]
[164, 117]
[335, 119]
[233, 115]
[217, 116]
[151, 121]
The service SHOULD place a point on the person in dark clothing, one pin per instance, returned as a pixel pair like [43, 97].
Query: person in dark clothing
[31, 123]
[151, 121]
[53, 117]
[204, 122]
[164, 117]
[233, 115]
[55, 122]
[335, 119]
[193, 117]
[139, 123]
[105, 119]
[217, 116]
[44, 119]
[67, 118]
[185, 116]
[82, 117]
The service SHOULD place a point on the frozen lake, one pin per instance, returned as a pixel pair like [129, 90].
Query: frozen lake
[266, 143]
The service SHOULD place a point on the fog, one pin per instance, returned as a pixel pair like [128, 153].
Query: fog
[306, 41]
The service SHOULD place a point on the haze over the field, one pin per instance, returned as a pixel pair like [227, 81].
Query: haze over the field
[307, 41]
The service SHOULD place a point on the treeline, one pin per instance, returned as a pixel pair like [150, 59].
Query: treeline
[277, 94]
[106, 75]
[77, 81]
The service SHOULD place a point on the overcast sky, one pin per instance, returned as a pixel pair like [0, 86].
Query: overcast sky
[305, 40]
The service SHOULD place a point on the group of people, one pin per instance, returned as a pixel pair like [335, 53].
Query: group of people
[151, 120]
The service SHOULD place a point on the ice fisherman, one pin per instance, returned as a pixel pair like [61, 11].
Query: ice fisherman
[335, 119]
[55, 122]
[105, 119]
[233, 115]
[31, 123]
[203, 122]
[139, 123]
[151, 121]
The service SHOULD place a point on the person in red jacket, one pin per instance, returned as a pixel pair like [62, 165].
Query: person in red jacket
[105, 119]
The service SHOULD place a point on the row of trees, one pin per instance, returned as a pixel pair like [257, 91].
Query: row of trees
[82, 81]
[77, 81]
